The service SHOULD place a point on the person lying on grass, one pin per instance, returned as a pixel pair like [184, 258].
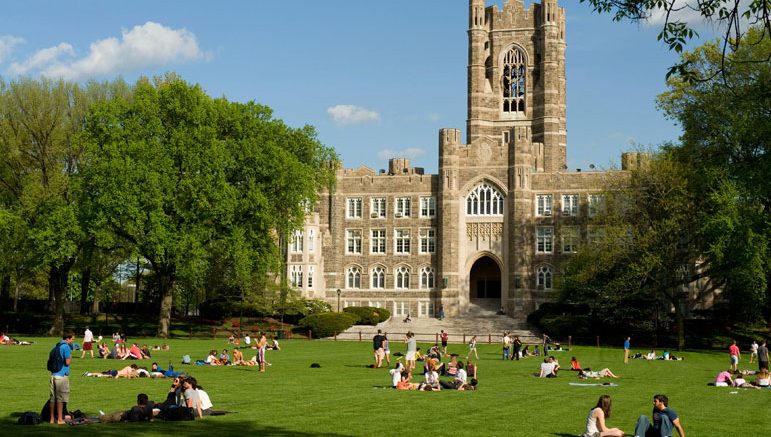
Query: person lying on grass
[126, 372]
[604, 373]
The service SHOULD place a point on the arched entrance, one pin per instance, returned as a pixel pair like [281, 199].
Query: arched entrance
[485, 280]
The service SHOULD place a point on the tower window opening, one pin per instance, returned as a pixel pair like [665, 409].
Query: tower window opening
[514, 75]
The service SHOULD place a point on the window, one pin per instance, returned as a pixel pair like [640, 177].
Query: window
[570, 239]
[402, 275]
[353, 278]
[296, 276]
[377, 303]
[427, 240]
[377, 207]
[513, 79]
[570, 204]
[378, 241]
[310, 276]
[353, 241]
[351, 303]
[427, 278]
[378, 277]
[426, 309]
[427, 206]
[544, 236]
[311, 240]
[402, 207]
[353, 209]
[402, 241]
[484, 200]
[543, 205]
[401, 308]
[297, 241]
[544, 280]
[596, 203]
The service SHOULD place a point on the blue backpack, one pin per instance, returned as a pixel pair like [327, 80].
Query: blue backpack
[55, 359]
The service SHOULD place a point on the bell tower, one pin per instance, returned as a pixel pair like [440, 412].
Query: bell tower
[516, 76]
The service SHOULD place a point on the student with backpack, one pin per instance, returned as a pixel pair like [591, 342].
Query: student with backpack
[59, 365]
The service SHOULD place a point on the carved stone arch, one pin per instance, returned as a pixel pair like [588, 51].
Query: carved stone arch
[482, 253]
[485, 276]
[544, 276]
[513, 71]
[472, 183]
[513, 46]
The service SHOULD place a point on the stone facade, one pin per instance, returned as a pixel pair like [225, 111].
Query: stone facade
[503, 212]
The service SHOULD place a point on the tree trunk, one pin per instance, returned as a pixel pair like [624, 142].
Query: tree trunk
[85, 281]
[16, 295]
[57, 287]
[95, 303]
[166, 289]
[5, 288]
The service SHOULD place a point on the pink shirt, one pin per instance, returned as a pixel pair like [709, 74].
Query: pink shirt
[723, 376]
[733, 350]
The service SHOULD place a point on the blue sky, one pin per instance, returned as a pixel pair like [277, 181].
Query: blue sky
[377, 79]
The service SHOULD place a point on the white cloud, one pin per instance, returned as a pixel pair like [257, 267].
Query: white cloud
[410, 153]
[351, 114]
[41, 58]
[683, 11]
[7, 43]
[146, 46]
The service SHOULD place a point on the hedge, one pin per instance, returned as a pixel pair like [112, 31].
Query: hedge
[369, 315]
[328, 324]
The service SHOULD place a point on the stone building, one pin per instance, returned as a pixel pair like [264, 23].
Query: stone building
[494, 226]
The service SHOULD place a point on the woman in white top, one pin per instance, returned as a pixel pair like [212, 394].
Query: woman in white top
[595, 420]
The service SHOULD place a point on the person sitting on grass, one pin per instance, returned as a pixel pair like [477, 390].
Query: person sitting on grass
[762, 378]
[471, 369]
[595, 420]
[191, 396]
[145, 351]
[547, 369]
[104, 351]
[432, 377]
[238, 358]
[144, 410]
[451, 369]
[723, 379]
[604, 373]
[651, 355]
[225, 358]
[575, 365]
[212, 359]
[740, 382]
[396, 373]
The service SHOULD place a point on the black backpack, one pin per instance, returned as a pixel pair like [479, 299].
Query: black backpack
[55, 360]
[29, 418]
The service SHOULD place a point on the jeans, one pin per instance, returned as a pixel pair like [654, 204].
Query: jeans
[645, 429]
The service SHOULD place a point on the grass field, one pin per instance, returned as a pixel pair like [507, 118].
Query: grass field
[345, 398]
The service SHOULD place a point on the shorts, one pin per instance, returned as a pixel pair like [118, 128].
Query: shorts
[409, 356]
[261, 355]
[379, 354]
[60, 388]
[734, 359]
[88, 346]
[444, 344]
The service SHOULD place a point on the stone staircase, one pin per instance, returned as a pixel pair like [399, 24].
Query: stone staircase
[481, 319]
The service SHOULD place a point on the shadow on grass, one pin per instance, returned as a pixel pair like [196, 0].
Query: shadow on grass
[202, 427]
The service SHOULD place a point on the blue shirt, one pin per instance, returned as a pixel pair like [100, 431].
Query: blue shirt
[66, 353]
[626, 344]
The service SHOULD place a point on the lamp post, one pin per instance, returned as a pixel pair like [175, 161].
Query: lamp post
[338, 300]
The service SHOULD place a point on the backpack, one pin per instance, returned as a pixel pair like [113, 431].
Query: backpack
[29, 418]
[55, 360]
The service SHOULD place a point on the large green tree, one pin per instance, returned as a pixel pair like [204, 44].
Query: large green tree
[177, 174]
[39, 158]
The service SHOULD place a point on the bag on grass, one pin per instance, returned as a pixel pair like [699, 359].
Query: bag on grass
[29, 418]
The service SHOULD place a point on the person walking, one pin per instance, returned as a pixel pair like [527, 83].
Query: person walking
[472, 347]
[734, 354]
[88, 343]
[444, 337]
[60, 379]
[753, 351]
[517, 343]
[627, 345]
[664, 419]
[412, 349]
[377, 348]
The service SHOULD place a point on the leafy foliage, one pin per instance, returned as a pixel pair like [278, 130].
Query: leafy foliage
[328, 324]
[369, 315]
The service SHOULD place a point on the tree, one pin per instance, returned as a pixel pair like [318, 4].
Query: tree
[731, 18]
[726, 126]
[176, 174]
[39, 157]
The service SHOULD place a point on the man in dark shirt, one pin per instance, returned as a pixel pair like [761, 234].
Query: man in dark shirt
[763, 356]
[377, 347]
[664, 419]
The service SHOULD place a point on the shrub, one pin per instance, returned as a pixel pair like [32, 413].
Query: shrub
[328, 324]
[369, 315]
[559, 326]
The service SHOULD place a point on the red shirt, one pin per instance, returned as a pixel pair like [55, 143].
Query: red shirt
[733, 350]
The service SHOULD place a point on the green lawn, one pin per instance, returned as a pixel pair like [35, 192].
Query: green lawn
[345, 398]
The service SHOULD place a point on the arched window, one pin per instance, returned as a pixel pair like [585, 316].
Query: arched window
[484, 200]
[402, 278]
[353, 277]
[378, 277]
[514, 71]
[544, 278]
[427, 278]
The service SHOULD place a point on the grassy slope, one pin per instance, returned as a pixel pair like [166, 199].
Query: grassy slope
[343, 397]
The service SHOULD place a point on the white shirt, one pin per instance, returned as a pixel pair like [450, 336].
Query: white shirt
[546, 369]
[205, 401]
[88, 337]
[461, 375]
[396, 375]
